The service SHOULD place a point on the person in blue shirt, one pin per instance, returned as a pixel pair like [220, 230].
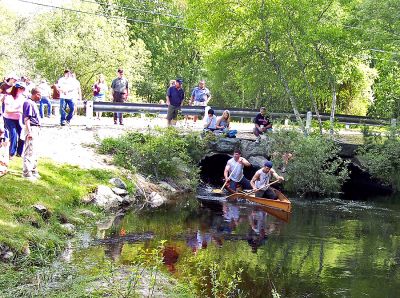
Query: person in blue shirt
[200, 96]
[175, 96]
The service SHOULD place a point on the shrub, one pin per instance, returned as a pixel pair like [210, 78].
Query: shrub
[315, 167]
[380, 155]
[162, 153]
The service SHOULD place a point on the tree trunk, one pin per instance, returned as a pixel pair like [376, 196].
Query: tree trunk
[332, 82]
[310, 91]
[283, 81]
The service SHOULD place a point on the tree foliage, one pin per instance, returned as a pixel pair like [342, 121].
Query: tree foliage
[87, 44]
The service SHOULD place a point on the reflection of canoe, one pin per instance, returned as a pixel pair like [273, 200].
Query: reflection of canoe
[281, 202]
[278, 213]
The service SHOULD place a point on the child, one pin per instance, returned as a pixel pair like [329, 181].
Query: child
[210, 121]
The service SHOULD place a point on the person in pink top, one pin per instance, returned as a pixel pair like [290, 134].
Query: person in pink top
[13, 103]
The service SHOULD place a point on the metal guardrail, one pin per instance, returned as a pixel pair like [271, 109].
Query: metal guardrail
[235, 112]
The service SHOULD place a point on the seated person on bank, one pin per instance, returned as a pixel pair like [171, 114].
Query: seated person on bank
[234, 172]
[210, 123]
[262, 124]
[262, 178]
[223, 122]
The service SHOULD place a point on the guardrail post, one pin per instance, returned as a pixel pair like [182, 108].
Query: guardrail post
[89, 114]
[308, 121]
[393, 123]
[286, 122]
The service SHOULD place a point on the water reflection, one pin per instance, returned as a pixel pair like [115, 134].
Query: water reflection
[325, 248]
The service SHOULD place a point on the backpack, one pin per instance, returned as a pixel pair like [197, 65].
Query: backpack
[231, 133]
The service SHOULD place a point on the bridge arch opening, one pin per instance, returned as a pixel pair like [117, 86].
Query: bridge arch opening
[213, 165]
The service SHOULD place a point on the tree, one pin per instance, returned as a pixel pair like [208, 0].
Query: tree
[12, 32]
[88, 44]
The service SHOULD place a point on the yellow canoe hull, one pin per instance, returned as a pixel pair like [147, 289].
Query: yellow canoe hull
[281, 202]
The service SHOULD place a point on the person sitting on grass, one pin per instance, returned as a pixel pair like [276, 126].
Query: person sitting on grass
[262, 178]
[262, 124]
[211, 121]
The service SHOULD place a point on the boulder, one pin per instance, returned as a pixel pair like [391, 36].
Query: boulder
[106, 198]
[167, 186]
[42, 210]
[117, 182]
[156, 200]
[226, 145]
[250, 148]
[87, 213]
[257, 161]
[69, 228]
[119, 191]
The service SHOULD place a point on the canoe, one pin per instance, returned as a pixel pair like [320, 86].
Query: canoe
[281, 202]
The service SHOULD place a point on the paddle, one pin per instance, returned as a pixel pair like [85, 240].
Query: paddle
[262, 187]
[237, 194]
[219, 191]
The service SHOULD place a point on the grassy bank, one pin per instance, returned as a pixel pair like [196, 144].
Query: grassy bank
[32, 237]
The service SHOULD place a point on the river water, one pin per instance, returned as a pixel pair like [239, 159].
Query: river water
[324, 248]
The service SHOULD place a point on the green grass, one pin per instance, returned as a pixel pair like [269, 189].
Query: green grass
[61, 189]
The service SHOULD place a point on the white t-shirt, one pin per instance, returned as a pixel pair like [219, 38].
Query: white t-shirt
[44, 89]
[67, 87]
[237, 170]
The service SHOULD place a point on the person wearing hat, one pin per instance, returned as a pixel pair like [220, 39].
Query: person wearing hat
[262, 178]
[120, 92]
[8, 82]
[12, 113]
[175, 96]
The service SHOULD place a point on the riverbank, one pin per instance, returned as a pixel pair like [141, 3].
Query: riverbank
[41, 219]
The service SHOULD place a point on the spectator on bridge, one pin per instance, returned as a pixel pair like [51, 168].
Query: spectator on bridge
[45, 92]
[210, 123]
[99, 92]
[262, 124]
[12, 113]
[223, 125]
[30, 117]
[67, 87]
[120, 92]
[200, 96]
[223, 122]
[175, 96]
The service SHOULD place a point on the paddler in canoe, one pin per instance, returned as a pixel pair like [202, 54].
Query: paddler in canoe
[261, 180]
[234, 178]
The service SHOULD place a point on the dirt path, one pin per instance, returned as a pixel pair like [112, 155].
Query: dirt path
[76, 145]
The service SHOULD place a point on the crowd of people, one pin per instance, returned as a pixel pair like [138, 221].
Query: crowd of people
[17, 93]
[22, 108]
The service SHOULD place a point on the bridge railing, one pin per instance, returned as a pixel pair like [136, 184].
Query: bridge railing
[235, 112]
